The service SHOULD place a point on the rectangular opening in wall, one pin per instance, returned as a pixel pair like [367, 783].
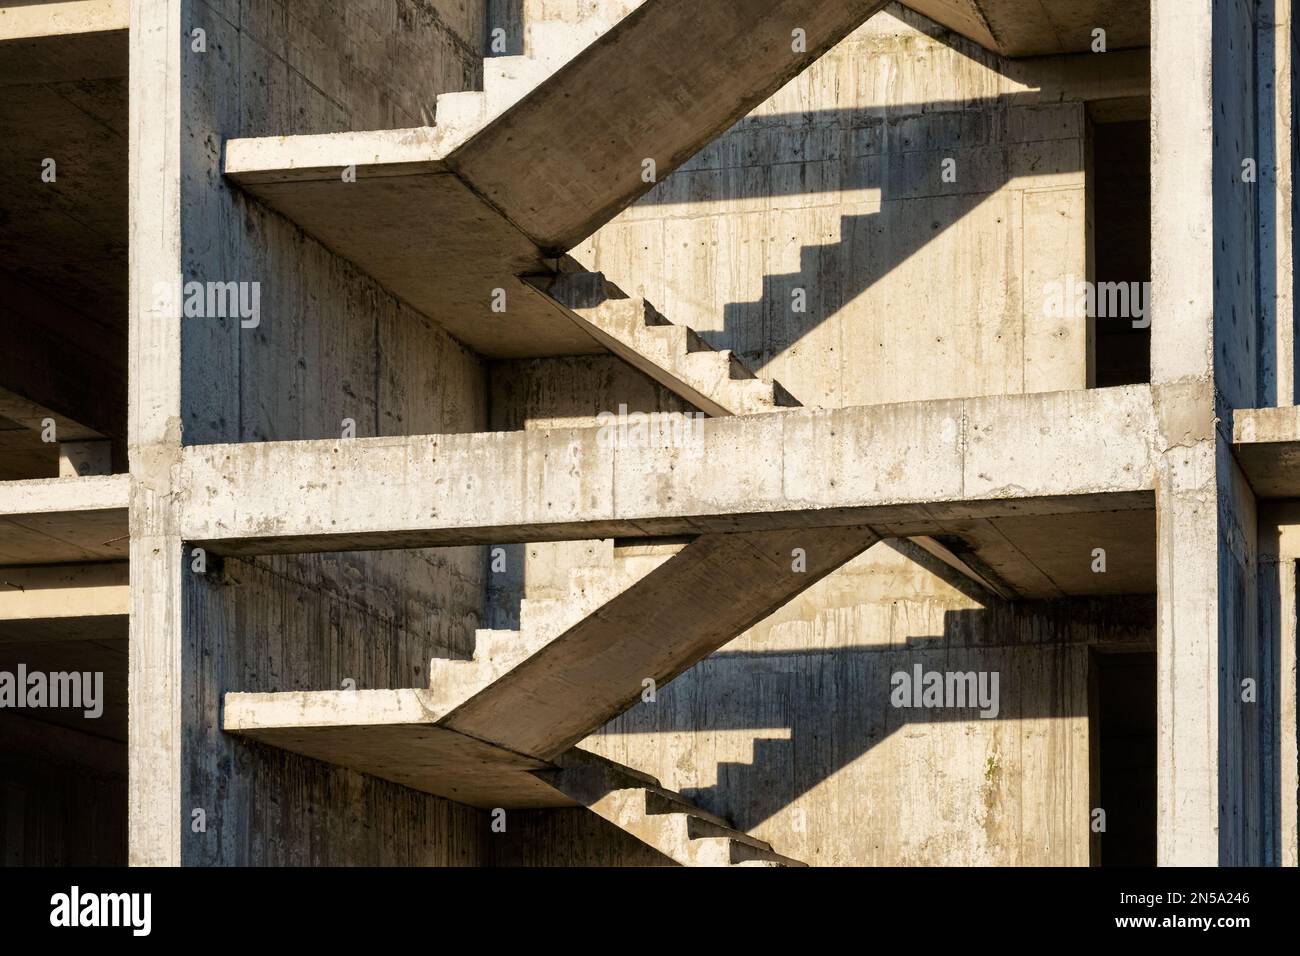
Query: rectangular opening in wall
[1120, 199]
[1124, 757]
[63, 761]
[63, 247]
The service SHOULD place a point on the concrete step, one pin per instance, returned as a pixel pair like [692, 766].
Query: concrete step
[660, 83]
[558, 41]
[716, 381]
[508, 79]
[458, 116]
[662, 819]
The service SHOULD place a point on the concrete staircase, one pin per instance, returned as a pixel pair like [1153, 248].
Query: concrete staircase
[555, 146]
[614, 568]
[715, 381]
[508, 79]
[713, 589]
[662, 819]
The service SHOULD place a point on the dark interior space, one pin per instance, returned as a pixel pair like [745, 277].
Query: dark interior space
[1125, 731]
[63, 783]
[63, 258]
[1121, 210]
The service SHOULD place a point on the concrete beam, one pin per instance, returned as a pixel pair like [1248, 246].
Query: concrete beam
[64, 520]
[64, 602]
[63, 41]
[1279, 552]
[664, 81]
[1266, 442]
[29, 21]
[902, 468]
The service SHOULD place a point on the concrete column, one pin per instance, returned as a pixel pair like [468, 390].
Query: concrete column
[1275, 76]
[1203, 362]
[156, 662]
[1279, 550]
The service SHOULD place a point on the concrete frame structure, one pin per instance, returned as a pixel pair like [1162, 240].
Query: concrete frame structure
[398, 594]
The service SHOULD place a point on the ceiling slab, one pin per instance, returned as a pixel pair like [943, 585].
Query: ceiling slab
[64, 520]
[1015, 28]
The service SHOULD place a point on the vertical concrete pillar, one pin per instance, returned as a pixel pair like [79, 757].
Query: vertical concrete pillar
[156, 658]
[1203, 364]
[1275, 71]
[1279, 550]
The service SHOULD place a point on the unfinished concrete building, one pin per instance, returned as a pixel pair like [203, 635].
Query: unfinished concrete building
[602, 432]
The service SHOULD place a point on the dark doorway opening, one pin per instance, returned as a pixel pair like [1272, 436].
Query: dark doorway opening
[1124, 742]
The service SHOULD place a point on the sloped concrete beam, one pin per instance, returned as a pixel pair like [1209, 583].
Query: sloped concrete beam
[664, 81]
[903, 468]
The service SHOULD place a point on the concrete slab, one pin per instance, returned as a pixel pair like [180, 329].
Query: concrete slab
[392, 734]
[64, 520]
[1266, 442]
[65, 602]
[417, 229]
[1030, 27]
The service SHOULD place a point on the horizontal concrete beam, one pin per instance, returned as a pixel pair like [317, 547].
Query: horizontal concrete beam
[63, 41]
[902, 468]
[64, 520]
[27, 21]
[64, 602]
[1267, 445]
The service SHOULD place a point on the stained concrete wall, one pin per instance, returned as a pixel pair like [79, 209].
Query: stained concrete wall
[835, 186]
[331, 345]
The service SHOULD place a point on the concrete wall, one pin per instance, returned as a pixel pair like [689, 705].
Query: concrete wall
[789, 730]
[835, 186]
[331, 345]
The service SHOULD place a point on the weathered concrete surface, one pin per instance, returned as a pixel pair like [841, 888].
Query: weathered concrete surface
[1266, 443]
[64, 40]
[665, 80]
[904, 467]
[539, 178]
[63, 246]
[1279, 747]
[715, 382]
[809, 754]
[1204, 336]
[471, 742]
[330, 346]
